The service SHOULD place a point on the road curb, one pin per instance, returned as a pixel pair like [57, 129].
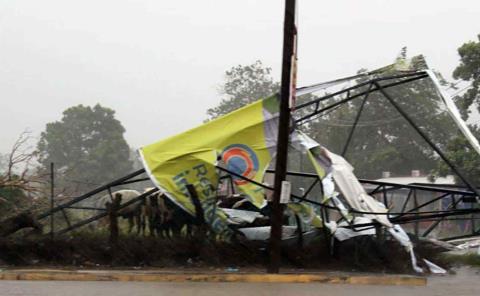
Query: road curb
[126, 276]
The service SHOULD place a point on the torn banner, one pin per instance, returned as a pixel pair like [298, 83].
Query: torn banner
[242, 141]
[330, 166]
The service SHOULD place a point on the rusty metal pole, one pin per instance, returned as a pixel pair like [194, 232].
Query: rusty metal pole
[112, 210]
[199, 213]
[52, 196]
[287, 97]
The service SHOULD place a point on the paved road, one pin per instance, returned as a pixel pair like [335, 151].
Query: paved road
[465, 283]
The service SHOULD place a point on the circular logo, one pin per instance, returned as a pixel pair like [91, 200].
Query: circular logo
[241, 160]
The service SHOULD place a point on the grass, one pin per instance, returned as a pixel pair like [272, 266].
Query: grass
[470, 259]
[86, 249]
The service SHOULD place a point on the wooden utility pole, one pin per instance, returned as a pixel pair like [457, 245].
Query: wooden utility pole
[287, 98]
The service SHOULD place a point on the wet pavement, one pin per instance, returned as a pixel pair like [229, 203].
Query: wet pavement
[466, 282]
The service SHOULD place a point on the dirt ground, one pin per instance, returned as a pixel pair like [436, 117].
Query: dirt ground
[87, 250]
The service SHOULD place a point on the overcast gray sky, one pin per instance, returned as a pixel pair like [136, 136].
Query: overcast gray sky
[159, 63]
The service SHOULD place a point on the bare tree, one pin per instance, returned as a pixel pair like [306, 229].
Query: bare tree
[21, 186]
[18, 167]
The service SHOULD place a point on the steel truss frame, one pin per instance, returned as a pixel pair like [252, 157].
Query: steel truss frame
[314, 108]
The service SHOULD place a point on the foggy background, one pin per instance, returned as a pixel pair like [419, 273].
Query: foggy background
[158, 64]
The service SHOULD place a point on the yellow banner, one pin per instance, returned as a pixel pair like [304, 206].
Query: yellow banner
[307, 214]
[242, 142]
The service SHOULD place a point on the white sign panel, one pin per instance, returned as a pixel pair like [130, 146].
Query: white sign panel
[285, 193]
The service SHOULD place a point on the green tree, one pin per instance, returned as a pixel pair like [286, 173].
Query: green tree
[86, 145]
[243, 85]
[469, 70]
[461, 153]
[459, 150]
[11, 200]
